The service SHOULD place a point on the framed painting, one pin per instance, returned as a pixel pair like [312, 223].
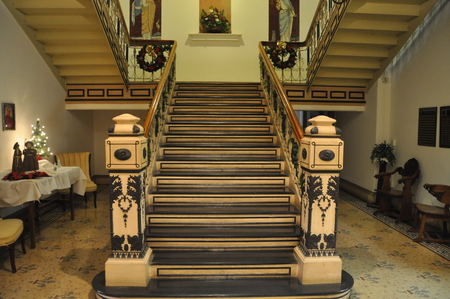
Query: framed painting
[145, 19]
[9, 116]
[284, 23]
[215, 16]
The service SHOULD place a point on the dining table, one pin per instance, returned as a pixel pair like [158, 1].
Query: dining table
[26, 192]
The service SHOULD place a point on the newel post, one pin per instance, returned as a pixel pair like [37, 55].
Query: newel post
[126, 160]
[321, 159]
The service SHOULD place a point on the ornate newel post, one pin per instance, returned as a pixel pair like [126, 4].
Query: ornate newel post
[126, 160]
[321, 152]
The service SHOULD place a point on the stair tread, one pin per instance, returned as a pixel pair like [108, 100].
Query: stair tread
[249, 146]
[209, 174]
[229, 232]
[222, 158]
[226, 288]
[222, 209]
[221, 191]
[242, 257]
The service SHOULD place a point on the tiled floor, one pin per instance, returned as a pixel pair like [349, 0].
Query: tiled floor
[384, 263]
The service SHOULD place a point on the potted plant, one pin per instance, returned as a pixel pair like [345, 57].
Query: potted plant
[215, 21]
[383, 153]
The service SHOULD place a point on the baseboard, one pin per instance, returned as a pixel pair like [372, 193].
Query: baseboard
[357, 191]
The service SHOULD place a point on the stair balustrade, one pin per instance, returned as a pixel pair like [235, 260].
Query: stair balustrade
[325, 23]
[124, 49]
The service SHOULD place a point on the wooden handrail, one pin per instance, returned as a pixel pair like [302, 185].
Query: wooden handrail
[159, 90]
[289, 110]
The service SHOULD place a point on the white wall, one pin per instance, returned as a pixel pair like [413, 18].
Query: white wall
[418, 78]
[26, 81]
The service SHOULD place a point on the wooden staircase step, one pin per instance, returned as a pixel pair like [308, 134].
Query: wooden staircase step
[221, 119]
[214, 101]
[187, 165]
[220, 152]
[228, 181]
[229, 140]
[222, 237]
[220, 264]
[218, 93]
[220, 110]
[218, 86]
[243, 190]
[208, 199]
[202, 129]
[219, 215]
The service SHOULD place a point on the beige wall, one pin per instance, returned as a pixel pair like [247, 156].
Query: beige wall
[26, 81]
[417, 78]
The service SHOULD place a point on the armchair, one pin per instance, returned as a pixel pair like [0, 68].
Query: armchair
[428, 212]
[81, 160]
[409, 173]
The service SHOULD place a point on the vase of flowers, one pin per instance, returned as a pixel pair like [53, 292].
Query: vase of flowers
[214, 21]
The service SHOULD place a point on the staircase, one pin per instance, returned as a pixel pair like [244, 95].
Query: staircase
[369, 36]
[222, 216]
[221, 204]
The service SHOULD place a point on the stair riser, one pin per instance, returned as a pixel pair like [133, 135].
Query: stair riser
[239, 271]
[214, 101]
[162, 166]
[223, 182]
[219, 94]
[218, 129]
[222, 244]
[232, 140]
[218, 118]
[201, 199]
[227, 220]
[211, 152]
[217, 110]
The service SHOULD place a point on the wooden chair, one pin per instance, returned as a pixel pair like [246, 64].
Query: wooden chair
[10, 231]
[442, 193]
[409, 173]
[81, 160]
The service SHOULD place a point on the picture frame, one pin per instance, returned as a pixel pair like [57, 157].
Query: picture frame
[8, 116]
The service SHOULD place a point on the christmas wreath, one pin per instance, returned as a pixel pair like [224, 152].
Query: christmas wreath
[278, 54]
[151, 57]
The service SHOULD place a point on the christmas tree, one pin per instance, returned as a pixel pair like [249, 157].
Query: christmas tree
[40, 140]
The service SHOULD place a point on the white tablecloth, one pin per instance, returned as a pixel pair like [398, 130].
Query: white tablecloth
[15, 193]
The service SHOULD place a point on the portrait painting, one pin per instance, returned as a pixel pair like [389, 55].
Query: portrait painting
[145, 19]
[9, 116]
[284, 23]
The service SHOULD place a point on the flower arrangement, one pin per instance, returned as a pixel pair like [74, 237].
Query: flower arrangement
[215, 21]
[14, 176]
[383, 153]
[151, 57]
[282, 55]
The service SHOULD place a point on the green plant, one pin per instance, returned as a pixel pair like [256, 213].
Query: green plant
[215, 21]
[383, 153]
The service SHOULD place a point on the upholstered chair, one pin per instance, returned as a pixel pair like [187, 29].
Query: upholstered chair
[81, 160]
[10, 231]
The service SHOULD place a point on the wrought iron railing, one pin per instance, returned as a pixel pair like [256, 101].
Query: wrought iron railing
[124, 49]
[326, 21]
[114, 26]
[289, 130]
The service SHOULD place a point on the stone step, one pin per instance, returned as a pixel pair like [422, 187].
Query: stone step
[214, 101]
[215, 130]
[219, 180]
[164, 196]
[228, 141]
[220, 110]
[218, 119]
[238, 152]
[223, 264]
[222, 215]
[199, 166]
[223, 237]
